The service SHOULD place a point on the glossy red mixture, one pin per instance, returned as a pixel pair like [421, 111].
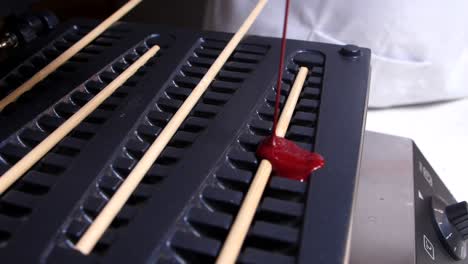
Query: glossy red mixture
[288, 159]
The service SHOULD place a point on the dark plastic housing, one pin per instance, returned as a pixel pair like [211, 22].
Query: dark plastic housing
[184, 206]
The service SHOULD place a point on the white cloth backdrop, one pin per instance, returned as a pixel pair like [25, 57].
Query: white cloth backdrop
[420, 47]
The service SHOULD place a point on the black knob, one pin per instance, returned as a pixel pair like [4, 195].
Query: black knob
[351, 51]
[451, 223]
[458, 216]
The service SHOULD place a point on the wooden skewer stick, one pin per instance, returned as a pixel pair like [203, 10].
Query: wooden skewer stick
[23, 165]
[65, 56]
[118, 200]
[241, 225]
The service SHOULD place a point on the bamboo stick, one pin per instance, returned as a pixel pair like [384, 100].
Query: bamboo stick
[65, 56]
[239, 229]
[23, 165]
[118, 200]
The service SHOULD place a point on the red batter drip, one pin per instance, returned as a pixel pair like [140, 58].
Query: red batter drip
[287, 159]
[281, 65]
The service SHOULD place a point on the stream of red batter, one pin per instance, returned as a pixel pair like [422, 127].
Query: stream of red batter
[287, 158]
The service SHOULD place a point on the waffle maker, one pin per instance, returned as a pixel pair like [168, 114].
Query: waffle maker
[376, 201]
